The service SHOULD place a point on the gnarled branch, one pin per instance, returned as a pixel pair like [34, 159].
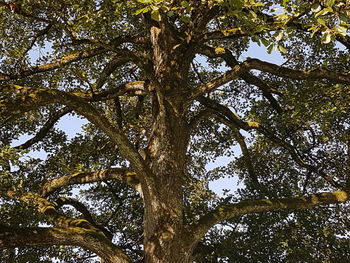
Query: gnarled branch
[89, 239]
[84, 211]
[48, 209]
[121, 174]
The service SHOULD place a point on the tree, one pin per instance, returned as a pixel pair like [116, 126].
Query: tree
[166, 91]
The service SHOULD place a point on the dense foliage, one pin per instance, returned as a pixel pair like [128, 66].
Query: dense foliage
[166, 90]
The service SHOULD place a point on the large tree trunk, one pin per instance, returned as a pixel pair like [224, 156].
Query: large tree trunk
[165, 235]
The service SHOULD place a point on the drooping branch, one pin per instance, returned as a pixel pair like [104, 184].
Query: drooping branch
[227, 211]
[72, 236]
[45, 129]
[232, 118]
[32, 98]
[121, 174]
[79, 206]
[246, 153]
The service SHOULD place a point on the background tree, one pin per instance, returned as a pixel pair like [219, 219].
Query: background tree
[166, 91]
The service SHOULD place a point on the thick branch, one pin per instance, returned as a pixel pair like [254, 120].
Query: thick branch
[48, 209]
[121, 174]
[242, 68]
[317, 73]
[32, 98]
[73, 236]
[45, 129]
[228, 211]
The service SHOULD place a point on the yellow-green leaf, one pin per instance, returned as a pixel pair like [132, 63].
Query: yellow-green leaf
[155, 15]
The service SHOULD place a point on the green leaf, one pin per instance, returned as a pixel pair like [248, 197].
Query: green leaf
[324, 11]
[316, 8]
[321, 21]
[184, 4]
[282, 49]
[155, 15]
[265, 41]
[342, 30]
[185, 18]
[145, 1]
[256, 39]
[142, 11]
[270, 48]
[329, 3]
[279, 36]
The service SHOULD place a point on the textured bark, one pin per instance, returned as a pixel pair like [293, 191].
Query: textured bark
[121, 174]
[165, 234]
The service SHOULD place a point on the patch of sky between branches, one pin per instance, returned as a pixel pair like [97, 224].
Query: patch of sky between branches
[260, 52]
[70, 124]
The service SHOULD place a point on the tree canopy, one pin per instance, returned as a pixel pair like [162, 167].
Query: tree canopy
[166, 90]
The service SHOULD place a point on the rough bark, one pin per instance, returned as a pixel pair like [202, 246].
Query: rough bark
[164, 232]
